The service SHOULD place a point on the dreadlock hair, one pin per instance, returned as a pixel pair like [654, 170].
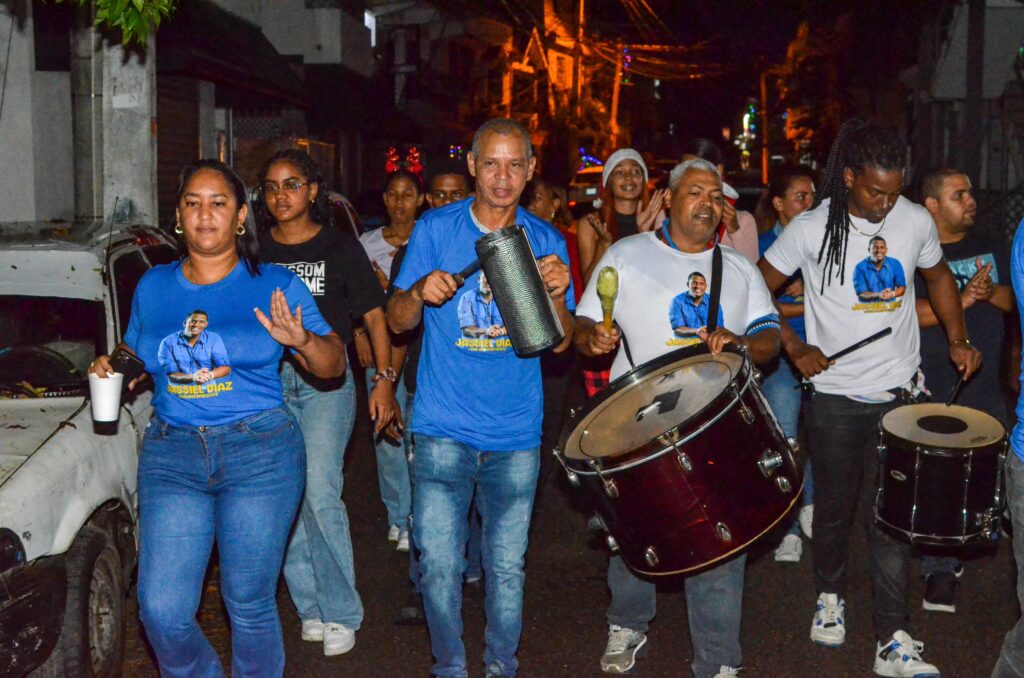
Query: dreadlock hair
[858, 145]
[319, 210]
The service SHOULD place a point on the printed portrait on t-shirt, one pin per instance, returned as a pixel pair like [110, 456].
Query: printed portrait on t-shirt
[879, 278]
[480, 319]
[194, 355]
[688, 313]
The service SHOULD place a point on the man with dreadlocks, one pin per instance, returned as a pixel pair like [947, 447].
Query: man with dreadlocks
[860, 200]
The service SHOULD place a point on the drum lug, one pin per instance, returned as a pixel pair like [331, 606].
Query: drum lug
[610, 488]
[784, 485]
[684, 462]
[793, 445]
[723, 532]
[574, 479]
[613, 545]
[769, 462]
[669, 437]
[651, 556]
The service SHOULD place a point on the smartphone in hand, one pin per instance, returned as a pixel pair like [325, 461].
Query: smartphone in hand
[127, 364]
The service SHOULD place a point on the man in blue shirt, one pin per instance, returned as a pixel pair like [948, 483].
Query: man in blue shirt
[689, 313]
[878, 278]
[194, 355]
[478, 312]
[470, 436]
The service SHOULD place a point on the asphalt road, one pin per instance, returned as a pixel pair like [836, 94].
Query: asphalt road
[564, 629]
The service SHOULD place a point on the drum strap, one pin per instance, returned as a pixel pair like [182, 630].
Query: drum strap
[716, 288]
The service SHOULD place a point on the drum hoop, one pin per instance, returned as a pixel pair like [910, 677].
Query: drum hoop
[632, 377]
[737, 397]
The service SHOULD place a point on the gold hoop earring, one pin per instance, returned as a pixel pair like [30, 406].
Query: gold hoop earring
[178, 229]
[240, 230]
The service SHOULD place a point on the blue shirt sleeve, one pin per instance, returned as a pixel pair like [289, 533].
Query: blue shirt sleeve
[297, 293]
[675, 314]
[164, 355]
[218, 353]
[419, 255]
[899, 279]
[860, 279]
[466, 316]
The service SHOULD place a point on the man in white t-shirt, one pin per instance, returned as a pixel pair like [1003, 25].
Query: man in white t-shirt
[653, 270]
[861, 202]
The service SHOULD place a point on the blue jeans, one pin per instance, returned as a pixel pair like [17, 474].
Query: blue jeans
[318, 566]
[781, 389]
[714, 607]
[843, 437]
[447, 473]
[393, 465]
[238, 484]
[1011, 657]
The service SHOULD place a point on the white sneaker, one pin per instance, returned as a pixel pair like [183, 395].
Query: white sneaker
[393, 532]
[623, 647]
[313, 630]
[338, 639]
[403, 540]
[790, 550]
[829, 625]
[901, 658]
[805, 517]
[728, 672]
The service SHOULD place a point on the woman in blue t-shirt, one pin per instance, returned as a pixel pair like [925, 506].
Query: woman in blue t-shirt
[790, 193]
[222, 459]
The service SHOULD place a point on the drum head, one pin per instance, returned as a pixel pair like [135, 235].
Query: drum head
[649, 401]
[937, 425]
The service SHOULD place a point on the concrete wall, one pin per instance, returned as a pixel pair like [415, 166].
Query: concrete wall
[35, 130]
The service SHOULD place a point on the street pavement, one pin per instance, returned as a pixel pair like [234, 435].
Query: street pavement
[564, 628]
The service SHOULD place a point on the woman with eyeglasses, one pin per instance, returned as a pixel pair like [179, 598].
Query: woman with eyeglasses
[297, 231]
[222, 459]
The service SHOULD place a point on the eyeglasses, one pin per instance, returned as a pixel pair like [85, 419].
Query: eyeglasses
[289, 185]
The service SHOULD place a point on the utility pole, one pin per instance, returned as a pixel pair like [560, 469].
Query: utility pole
[577, 68]
[615, 100]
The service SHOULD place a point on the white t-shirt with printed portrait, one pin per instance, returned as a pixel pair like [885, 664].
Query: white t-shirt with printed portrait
[870, 297]
[655, 300]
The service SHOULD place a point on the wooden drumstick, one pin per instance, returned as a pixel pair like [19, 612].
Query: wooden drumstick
[607, 290]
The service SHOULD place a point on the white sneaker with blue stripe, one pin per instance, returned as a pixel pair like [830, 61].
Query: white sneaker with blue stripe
[829, 625]
[901, 658]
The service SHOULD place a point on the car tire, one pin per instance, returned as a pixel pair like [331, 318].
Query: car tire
[92, 638]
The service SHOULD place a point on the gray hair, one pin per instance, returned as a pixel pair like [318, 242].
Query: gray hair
[505, 127]
[682, 168]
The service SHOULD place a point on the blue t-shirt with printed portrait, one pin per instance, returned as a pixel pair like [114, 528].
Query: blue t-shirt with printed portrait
[164, 300]
[474, 389]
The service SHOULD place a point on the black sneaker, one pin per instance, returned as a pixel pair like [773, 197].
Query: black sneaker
[940, 592]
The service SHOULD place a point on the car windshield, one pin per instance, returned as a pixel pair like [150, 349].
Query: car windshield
[46, 344]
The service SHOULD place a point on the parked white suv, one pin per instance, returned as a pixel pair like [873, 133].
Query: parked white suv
[67, 486]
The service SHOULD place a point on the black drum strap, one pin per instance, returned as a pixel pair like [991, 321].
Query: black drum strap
[716, 291]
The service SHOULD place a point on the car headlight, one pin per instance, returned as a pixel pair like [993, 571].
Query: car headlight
[12, 553]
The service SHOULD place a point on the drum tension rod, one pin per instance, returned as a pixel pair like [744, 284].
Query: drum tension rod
[610, 488]
[745, 411]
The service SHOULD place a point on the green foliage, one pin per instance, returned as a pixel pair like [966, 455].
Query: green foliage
[135, 18]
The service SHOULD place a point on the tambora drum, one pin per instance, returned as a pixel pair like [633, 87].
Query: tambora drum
[940, 478]
[685, 459]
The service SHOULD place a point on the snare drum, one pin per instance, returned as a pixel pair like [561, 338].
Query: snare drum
[685, 459]
[940, 478]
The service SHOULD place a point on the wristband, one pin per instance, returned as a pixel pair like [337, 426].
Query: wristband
[358, 332]
[961, 341]
[387, 375]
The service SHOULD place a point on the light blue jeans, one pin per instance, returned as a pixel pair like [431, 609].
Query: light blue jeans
[714, 607]
[447, 472]
[781, 389]
[237, 484]
[1011, 657]
[473, 565]
[318, 567]
[393, 465]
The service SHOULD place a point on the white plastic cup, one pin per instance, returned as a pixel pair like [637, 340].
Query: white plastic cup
[106, 396]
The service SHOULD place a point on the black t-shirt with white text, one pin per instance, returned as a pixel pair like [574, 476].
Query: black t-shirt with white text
[335, 269]
[985, 327]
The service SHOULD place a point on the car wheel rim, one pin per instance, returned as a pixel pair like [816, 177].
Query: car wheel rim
[103, 613]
